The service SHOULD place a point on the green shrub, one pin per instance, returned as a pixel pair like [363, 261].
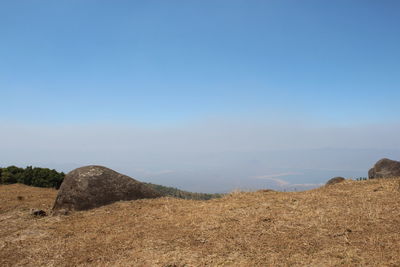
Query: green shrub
[40, 177]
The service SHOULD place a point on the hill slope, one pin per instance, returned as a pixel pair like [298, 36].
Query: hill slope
[175, 192]
[351, 223]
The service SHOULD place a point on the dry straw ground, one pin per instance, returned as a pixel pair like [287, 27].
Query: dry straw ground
[351, 223]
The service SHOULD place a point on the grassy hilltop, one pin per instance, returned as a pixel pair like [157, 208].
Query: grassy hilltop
[352, 223]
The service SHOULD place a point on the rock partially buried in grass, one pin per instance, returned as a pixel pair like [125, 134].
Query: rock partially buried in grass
[38, 213]
[94, 186]
[335, 180]
[385, 168]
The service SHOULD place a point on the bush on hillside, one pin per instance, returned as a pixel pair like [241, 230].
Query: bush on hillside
[40, 177]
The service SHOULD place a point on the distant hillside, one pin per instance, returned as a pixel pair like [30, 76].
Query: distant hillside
[175, 192]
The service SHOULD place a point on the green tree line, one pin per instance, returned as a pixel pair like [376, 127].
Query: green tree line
[34, 176]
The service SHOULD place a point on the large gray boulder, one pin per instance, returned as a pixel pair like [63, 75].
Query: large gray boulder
[385, 168]
[94, 186]
[335, 180]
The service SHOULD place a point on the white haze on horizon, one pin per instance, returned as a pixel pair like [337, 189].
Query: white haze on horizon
[209, 156]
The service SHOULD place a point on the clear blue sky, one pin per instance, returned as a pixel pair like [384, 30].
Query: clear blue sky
[166, 61]
[203, 95]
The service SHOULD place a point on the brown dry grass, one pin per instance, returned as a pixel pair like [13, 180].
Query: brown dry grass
[351, 223]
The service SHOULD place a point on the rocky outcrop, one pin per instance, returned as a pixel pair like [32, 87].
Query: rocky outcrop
[335, 180]
[385, 168]
[94, 186]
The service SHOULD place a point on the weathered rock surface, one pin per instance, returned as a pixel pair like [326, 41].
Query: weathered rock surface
[94, 186]
[385, 168]
[335, 180]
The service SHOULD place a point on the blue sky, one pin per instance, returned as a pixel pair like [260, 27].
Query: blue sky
[187, 66]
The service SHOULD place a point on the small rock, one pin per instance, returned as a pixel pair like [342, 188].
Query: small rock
[38, 213]
[378, 188]
[335, 180]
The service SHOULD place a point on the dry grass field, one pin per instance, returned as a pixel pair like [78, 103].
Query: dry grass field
[354, 223]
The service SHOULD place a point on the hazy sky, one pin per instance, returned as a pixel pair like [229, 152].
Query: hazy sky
[204, 95]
